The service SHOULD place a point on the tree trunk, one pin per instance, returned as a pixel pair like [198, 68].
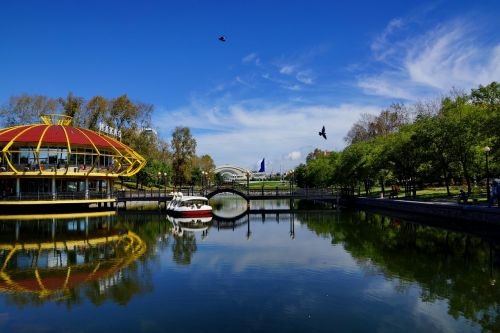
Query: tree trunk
[467, 177]
[446, 181]
[382, 186]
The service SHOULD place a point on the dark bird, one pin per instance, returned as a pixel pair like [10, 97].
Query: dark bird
[322, 133]
[222, 38]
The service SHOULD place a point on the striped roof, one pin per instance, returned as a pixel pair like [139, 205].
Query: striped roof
[58, 134]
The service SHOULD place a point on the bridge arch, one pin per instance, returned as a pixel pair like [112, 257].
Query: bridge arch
[227, 190]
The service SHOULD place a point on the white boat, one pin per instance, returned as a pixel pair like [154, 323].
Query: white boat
[189, 206]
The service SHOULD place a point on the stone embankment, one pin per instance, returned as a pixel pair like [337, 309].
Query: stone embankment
[444, 210]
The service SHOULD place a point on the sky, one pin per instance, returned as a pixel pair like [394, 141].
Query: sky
[285, 70]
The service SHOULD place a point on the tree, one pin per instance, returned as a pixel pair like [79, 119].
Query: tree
[183, 152]
[95, 111]
[207, 165]
[370, 127]
[123, 113]
[26, 109]
[72, 106]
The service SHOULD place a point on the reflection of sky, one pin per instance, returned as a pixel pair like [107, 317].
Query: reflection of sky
[271, 282]
[267, 283]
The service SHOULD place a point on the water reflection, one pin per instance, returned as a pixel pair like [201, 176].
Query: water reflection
[51, 258]
[183, 230]
[458, 267]
[278, 265]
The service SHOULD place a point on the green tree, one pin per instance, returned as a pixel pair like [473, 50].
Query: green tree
[72, 106]
[183, 152]
[95, 111]
[123, 114]
[26, 109]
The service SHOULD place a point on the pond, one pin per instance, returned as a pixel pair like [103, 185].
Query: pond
[314, 270]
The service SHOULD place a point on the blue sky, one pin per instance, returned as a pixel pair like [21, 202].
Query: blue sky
[287, 68]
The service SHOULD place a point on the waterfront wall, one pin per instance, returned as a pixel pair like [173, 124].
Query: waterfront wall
[441, 210]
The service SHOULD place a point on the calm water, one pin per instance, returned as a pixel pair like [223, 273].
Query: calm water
[313, 271]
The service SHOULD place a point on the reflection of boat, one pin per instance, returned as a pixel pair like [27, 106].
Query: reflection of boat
[189, 224]
[189, 206]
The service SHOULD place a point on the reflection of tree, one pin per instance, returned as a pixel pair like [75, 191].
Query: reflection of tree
[184, 247]
[447, 265]
[114, 271]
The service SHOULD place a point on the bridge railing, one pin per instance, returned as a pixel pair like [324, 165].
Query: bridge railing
[129, 194]
[299, 192]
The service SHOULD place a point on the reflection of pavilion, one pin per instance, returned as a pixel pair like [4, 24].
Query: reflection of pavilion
[50, 257]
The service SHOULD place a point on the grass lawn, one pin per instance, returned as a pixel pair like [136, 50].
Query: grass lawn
[437, 193]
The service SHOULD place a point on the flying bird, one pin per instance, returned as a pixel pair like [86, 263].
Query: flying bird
[322, 133]
[222, 38]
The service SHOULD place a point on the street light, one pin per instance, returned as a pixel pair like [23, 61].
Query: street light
[248, 182]
[203, 175]
[486, 152]
[159, 178]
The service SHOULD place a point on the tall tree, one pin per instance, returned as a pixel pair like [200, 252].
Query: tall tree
[123, 113]
[26, 109]
[95, 110]
[72, 107]
[183, 152]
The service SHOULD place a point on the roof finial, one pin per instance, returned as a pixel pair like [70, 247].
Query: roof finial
[56, 119]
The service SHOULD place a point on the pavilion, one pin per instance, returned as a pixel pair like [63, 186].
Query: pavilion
[53, 163]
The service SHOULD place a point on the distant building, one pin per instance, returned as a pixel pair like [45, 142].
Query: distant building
[234, 173]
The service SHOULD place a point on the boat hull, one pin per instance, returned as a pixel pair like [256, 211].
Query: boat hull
[194, 213]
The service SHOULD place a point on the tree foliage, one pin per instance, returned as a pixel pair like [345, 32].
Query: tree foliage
[133, 119]
[431, 142]
[183, 153]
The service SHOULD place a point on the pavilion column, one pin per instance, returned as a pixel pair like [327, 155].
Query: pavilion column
[18, 187]
[108, 188]
[86, 188]
[54, 190]
[53, 229]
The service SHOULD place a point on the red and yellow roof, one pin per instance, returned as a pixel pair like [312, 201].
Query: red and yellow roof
[57, 131]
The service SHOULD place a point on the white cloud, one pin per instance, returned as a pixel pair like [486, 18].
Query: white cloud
[293, 87]
[380, 46]
[287, 69]
[447, 56]
[243, 82]
[305, 77]
[251, 58]
[241, 133]
[294, 155]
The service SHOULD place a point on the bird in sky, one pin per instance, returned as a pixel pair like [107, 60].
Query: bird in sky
[322, 133]
[222, 38]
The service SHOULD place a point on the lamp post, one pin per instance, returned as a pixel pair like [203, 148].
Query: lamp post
[165, 181]
[486, 152]
[248, 182]
[203, 175]
[159, 179]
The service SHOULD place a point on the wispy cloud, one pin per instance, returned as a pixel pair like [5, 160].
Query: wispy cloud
[241, 132]
[453, 54]
[381, 45]
[287, 69]
[294, 156]
[251, 58]
[305, 77]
